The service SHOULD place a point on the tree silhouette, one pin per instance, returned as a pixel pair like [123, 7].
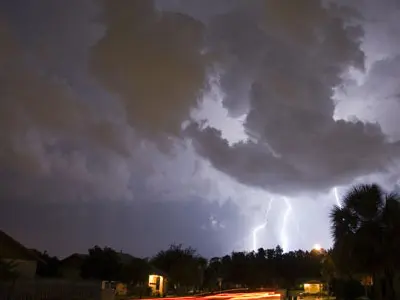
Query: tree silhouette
[135, 272]
[183, 265]
[365, 232]
[101, 264]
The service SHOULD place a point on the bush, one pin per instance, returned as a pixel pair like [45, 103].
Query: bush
[139, 291]
[347, 289]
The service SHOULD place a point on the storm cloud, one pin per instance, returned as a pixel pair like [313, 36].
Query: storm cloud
[154, 61]
[228, 102]
[294, 142]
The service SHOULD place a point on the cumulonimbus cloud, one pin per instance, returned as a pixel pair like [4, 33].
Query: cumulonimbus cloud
[51, 138]
[298, 145]
[154, 61]
[278, 68]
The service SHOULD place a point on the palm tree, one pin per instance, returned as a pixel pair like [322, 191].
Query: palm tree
[365, 231]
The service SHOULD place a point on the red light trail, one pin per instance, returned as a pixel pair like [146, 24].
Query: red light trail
[228, 296]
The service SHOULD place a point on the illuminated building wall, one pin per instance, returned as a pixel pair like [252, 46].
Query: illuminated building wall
[312, 288]
[157, 283]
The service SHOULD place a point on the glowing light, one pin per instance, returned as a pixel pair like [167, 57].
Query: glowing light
[317, 247]
[243, 296]
[284, 236]
[337, 197]
[230, 296]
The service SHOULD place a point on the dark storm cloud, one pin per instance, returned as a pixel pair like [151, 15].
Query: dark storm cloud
[25, 93]
[154, 61]
[241, 43]
[202, 10]
[58, 143]
[305, 49]
[279, 67]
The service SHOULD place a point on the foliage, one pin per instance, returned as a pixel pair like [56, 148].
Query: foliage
[328, 267]
[266, 267]
[188, 271]
[183, 265]
[365, 232]
[106, 264]
[139, 290]
[347, 289]
[101, 264]
[135, 272]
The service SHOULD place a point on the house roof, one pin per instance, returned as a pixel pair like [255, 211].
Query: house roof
[309, 280]
[74, 260]
[12, 249]
[314, 282]
[154, 271]
[125, 258]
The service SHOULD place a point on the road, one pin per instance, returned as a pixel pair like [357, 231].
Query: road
[229, 296]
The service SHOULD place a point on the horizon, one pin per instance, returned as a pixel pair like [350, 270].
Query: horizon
[316, 247]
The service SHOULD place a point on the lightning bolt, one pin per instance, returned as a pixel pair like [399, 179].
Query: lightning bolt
[284, 236]
[268, 209]
[335, 190]
[255, 230]
[261, 226]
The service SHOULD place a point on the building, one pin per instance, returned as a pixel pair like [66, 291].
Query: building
[314, 287]
[158, 281]
[71, 266]
[22, 260]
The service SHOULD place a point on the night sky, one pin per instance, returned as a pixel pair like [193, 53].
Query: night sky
[136, 124]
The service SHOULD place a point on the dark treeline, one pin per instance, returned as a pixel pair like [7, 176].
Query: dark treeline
[185, 268]
[365, 258]
[264, 268]
[188, 271]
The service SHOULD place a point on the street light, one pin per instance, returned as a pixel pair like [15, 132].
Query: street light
[317, 247]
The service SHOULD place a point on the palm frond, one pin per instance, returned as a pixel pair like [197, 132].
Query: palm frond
[367, 200]
[343, 222]
[366, 229]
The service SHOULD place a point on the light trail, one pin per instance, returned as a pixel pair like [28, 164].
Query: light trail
[244, 296]
[260, 227]
[284, 236]
[229, 296]
[335, 190]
